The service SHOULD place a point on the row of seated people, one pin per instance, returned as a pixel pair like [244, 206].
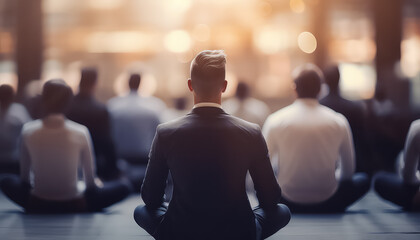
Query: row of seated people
[305, 141]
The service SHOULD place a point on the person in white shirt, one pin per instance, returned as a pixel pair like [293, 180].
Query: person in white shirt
[312, 151]
[52, 149]
[12, 118]
[404, 191]
[245, 107]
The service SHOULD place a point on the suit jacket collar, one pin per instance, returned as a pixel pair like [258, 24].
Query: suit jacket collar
[207, 111]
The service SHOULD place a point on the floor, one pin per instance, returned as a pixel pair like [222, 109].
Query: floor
[370, 218]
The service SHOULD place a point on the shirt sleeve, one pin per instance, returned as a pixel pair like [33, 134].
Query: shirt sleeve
[267, 189]
[411, 153]
[87, 160]
[348, 163]
[25, 162]
[153, 188]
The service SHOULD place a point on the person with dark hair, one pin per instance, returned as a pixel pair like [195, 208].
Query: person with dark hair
[86, 110]
[355, 113]
[307, 141]
[12, 118]
[404, 191]
[52, 149]
[133, 128]
[245, 107]
[208, 153]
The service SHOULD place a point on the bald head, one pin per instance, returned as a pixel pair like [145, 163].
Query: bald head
[208, 73]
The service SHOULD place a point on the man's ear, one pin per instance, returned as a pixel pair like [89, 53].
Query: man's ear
[225, 83]
[190, 85]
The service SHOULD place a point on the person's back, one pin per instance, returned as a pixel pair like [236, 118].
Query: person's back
[308, 143]
[12, 118]
[55, 178]
[133, 123]
[305, 129]
[208, 154]
[52, 150]
[354, 112]
[86, 110]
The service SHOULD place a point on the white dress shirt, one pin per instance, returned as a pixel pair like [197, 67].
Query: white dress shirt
[53, 148]
[411, 154]
[306, 142]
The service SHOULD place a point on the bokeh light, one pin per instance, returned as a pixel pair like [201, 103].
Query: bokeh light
[177, 41]
[307, 42]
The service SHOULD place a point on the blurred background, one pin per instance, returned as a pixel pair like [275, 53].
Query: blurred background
[375, 43]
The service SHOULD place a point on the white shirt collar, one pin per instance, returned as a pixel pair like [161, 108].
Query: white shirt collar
[207, 104]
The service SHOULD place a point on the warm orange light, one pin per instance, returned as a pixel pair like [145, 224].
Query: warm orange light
[297, 6]
[307, 42]
[271, 40]
[177, 41]
[201, 32]
[104, 4]
[121, 42]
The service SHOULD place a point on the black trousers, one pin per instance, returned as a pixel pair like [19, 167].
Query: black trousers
[267, 222]
[94, 199]
[392, 188]
[348, 192]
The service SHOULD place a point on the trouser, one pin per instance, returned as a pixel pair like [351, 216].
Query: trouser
[348, 192]
[392, 188]
[94, 199]
[267, 222]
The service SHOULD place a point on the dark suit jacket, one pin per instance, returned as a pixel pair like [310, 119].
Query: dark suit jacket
[208, 153]
[94, 115]
[356, 115]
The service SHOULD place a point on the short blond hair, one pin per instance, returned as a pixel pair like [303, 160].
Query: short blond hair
[209, 64]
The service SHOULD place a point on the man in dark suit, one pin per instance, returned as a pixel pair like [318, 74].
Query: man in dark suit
[354, 112]
[86, 110]
[208, 153]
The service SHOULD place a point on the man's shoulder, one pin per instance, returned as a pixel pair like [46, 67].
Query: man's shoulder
[31, 126]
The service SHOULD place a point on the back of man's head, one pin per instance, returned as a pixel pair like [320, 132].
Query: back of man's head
[308, 79]
[242, 90]
[56, 96]
[208, 71]
[332, 77]
[88, 80]
[134, 81]
[6, 96]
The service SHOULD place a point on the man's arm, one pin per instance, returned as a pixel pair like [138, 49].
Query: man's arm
[154, 183]
[411, 153]
[348, 162]
[267, 189]
[87, 160]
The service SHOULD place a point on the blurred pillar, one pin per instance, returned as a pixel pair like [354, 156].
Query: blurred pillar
[320, 28]
[29, 42]
[388, 27]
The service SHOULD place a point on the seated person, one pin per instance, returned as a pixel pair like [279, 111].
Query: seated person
[133, 128]
[86, 110]
[404, 191]
[52, 149]
[209, 153]
[12, 117]
[307, 141]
